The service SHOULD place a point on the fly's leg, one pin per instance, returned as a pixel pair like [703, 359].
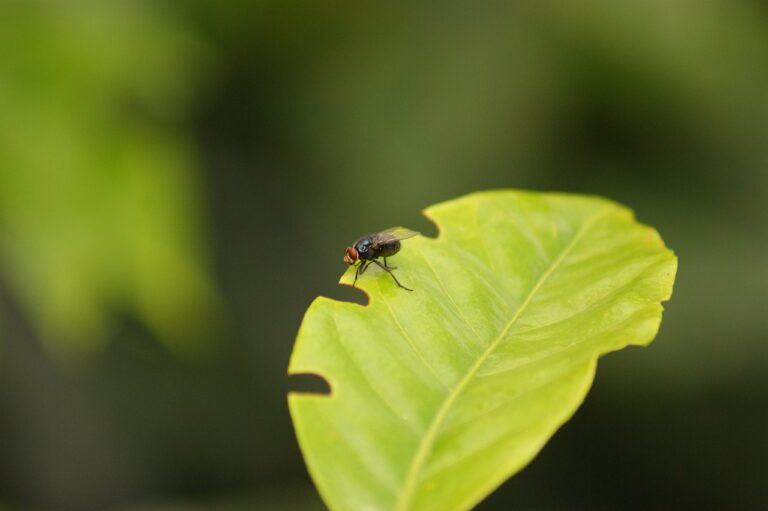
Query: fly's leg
[390, 267]
[388, 270]
[358, 272]
[360, 269]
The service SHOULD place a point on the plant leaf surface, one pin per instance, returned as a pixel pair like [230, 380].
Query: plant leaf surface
[440, 395]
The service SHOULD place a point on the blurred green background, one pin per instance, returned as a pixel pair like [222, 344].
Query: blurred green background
[179, 180]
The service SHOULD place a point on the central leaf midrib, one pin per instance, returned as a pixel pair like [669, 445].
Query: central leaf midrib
[404, 499]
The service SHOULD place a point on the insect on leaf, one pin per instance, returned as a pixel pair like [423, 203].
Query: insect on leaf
[440, 395]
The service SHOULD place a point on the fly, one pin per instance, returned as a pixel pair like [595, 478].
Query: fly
[382, 244]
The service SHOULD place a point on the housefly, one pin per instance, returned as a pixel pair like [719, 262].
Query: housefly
[382, 244]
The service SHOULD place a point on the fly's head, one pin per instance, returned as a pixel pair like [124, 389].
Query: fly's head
[350, 255]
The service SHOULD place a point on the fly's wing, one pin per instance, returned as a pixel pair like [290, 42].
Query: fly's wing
[395, 233]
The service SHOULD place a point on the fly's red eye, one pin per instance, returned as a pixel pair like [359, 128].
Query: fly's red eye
[350, 255]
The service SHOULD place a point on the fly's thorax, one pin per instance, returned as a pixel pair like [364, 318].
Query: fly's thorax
[365, 248]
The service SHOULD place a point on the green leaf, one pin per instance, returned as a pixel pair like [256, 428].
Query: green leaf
[100, 199]
[439, 395]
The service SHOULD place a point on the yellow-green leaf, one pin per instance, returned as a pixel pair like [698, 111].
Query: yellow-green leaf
[441, 394]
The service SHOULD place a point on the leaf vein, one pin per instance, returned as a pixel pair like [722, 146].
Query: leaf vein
[538, 386]
[420, 456]
[450, 297]
[590, 308]
[410, 342]
[389, 405]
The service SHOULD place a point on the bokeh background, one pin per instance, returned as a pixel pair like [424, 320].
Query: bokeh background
[178, 181]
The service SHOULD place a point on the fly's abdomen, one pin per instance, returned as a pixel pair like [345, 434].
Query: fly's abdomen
[389, 248]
